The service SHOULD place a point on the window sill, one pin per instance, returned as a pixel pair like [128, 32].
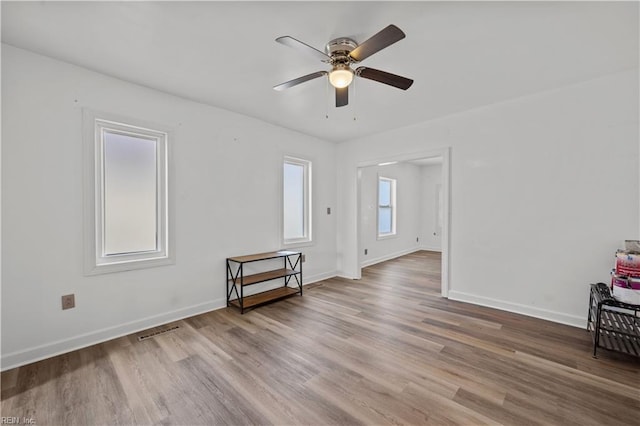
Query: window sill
[387, 237]
[299, 244]
[107, 268]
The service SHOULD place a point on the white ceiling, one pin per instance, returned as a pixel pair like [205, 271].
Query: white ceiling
[461, 54]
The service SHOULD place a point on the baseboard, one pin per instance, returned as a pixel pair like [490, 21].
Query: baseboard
[429, 248]
[318, 277]
[346, 277]
[517, 308]
[37, 353]
[389, 256]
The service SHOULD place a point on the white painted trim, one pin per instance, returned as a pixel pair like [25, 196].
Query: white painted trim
[517, 308]
[429, 248]
[318, 277]
[359, 246]
[48, 350]
[307, 166]
[446, 221]
[94, 261]
[393, 182]
[445, 153]
[389, 256]
[348, 277]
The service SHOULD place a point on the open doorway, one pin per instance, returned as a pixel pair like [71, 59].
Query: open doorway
[403, 208]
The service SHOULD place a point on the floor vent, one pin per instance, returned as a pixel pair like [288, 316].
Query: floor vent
[154, 332]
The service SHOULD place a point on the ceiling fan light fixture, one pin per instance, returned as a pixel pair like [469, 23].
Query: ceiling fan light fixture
[341, 76]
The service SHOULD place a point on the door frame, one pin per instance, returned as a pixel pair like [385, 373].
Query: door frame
[445, 153]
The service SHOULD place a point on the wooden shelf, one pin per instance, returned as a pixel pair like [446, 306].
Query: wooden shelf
[262, 256]
[290, 273]
[266, 276]
[265, 297]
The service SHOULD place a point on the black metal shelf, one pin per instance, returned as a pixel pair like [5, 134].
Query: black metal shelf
[614, 325]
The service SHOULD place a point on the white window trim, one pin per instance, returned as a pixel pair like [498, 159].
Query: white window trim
[392, 205]
[307, 240]
[95, 262]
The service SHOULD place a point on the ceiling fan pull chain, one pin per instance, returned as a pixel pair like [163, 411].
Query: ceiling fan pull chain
[354, 102]
[328, 98]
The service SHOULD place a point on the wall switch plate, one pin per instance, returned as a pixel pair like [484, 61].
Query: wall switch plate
[68, 301]
[417, 239]
[304, 258]
[328, 210]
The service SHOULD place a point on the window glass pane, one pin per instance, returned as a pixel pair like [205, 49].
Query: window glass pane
[384, 220]
[384, 192]
[293, 204]
[386, 201]
[130, 204]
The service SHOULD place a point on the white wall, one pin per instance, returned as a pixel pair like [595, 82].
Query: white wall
[227, 171]
[408, 189]
[543, 190]
[430, 230]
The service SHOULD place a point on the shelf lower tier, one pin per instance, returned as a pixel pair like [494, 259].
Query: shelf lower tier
[265, 296]
[619, 342]
[620, 323]
[265, 276]
[618, 331]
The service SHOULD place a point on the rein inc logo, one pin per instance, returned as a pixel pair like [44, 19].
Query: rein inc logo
[17, 420]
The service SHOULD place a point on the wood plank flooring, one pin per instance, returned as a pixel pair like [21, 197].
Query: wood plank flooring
[382, 350]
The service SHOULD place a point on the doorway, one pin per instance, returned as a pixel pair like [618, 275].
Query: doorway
[414, 231]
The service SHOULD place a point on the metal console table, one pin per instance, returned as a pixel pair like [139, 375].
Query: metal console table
[237, 280]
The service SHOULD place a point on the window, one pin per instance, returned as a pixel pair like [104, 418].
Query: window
[127, 214]
[386, 207]
[296, 201]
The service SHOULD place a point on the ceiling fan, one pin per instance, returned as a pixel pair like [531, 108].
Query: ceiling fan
[340, 54]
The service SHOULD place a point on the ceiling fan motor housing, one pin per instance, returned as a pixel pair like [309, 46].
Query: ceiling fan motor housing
[339, 48]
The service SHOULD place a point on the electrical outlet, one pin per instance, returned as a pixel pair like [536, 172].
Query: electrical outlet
[328, 210]
[304, 258]
[68, 301]
[417, 239]
[366, 252]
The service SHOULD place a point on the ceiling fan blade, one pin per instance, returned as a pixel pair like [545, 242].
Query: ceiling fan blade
[303, 47]
[377, 42]
[342, 96]
[299, 80]
[384, 77]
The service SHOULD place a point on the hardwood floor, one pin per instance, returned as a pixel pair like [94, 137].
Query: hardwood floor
[382, 350]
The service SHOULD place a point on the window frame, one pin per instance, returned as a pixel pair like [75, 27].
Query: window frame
[307, 238]
[392, 206]
[96, 260]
